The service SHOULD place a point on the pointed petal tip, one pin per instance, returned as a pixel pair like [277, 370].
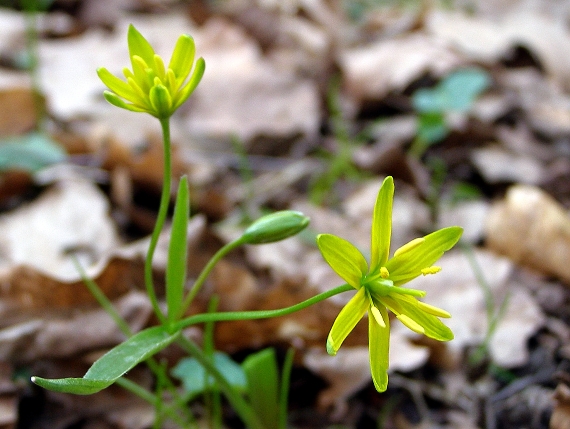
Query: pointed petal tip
[330, 348]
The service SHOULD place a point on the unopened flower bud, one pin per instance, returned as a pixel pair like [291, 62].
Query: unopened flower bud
[275, 227]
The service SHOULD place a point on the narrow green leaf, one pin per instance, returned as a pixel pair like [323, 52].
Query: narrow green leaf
[77, 386]
[177, 252]
[345, 259]
[263, 386]
[113, 364]
[382, 225]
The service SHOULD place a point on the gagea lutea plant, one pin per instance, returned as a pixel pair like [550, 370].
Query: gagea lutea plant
[154, 88]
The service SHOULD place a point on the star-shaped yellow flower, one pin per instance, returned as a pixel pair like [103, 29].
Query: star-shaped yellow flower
[150, 86]
[379, 284]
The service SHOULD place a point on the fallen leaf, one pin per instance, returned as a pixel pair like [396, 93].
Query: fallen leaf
[497, 165]
[258, 100]
[371, 72]
[560, 418]
[532, 229]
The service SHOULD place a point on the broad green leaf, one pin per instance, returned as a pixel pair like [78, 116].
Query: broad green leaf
[382, 225]
[113, 364]
[30, 152]
[345, 259]
[263, 386]
[194, 379]
[456, 92]
[177, 252]
[408, 265]
[379, 345]
[346, 320]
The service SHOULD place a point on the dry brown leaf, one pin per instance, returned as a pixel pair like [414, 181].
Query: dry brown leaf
[371, 72]
[470, 215]
[496, 164]
[482, 39]
[256, 98]
[532, 229]
[71, 334]
[457, 290]
[560, 418]
[71, 217]
[349, 370]
[508, 346]
[19, 112]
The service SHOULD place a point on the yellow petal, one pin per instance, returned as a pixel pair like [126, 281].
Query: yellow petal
[382, 224]
[379, 346]
[346, 320]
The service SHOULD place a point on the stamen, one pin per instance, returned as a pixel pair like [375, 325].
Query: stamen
[430, 270]
[377, 316]
[409, 246]
[384, 273]
[435, 311]
[412, 324]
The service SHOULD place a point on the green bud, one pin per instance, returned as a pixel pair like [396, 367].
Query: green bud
[275, 227]
[161, 101]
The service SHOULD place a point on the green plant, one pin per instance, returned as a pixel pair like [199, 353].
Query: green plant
[35, 150]
[260, 402]
[339, 162]
[455, 93]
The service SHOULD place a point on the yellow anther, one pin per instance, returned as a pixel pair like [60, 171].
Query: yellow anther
[430, 270]
[410, 323]
[409, 246]
[384, 273]
[377, 316]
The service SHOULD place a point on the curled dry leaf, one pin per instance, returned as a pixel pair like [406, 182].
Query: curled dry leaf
[68, 335]
[481, 39]
[532, 229]
[372, 71]
[259, 98]
[499, 165]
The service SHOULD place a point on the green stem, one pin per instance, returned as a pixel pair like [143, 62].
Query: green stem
[238, 403]
[126, 330]
[206, 271]
[258, 314]
[160, 220]
[31, 13]
[147, 396]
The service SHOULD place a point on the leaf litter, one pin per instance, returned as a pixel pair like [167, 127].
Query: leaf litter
[269, 67]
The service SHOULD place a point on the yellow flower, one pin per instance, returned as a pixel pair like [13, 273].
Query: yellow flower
[379, 284]
[150, 86]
